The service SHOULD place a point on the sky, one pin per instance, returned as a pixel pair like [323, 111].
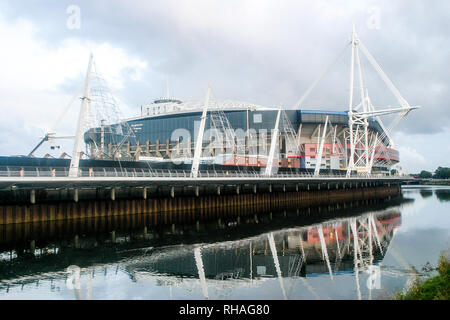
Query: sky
[259, 51]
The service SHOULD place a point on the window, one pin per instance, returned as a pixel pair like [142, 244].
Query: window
[257, 118]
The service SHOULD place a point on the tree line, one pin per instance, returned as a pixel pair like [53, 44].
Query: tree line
[440, 173]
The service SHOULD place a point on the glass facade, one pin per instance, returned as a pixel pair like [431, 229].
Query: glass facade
[163, 127]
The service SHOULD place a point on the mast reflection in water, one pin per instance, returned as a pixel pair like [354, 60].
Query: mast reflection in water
[260, 257]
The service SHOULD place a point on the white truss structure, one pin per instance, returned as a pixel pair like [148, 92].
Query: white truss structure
[100, 115]
[291, 138]
[76, 154]
[361, 156]
[366, 148]
[225, 136]
[175, 107]
[104, 115]
[365, 239]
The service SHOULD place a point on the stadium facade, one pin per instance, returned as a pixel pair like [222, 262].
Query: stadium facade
[236, 134]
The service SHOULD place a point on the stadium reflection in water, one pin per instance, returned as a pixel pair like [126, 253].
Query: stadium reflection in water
[204, 260]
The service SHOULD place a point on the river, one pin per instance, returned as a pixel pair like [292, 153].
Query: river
[353, 251]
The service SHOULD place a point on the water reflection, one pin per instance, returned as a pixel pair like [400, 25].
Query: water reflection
[213, 255]
[331, 247]
[442, 194]
[425, 193]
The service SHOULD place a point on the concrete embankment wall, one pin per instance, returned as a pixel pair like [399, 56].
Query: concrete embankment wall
[189, 208]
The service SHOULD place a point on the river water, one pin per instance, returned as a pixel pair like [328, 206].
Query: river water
[352, 251]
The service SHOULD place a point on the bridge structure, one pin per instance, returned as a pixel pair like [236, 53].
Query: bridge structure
[173, 180]
[37, 199]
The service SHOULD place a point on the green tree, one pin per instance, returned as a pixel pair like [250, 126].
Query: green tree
[425, 174]
[442, 173]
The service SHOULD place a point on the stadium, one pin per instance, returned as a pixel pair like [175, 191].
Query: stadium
[235, 135]
[238, 135]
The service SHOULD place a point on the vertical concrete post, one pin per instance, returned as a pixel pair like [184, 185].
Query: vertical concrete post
[113, 194]
[237, 189]
[32, 246]
[144, 193]
[75, 195]
[197, 191]
[254, 189]
[172, 192]
[113, 236]
[218, 190]
[75, 240]
[33, 196]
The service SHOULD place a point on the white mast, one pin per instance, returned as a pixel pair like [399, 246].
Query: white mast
[351, 162]
[357, 155]
[365, 109]
[76, 154]
[273, 249]
[320, 151]
[199, 142]
[201, 271]
[359, 120]
[273, 144]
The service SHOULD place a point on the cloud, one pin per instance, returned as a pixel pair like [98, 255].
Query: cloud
[270, 52]
[38, 79]
[423, 151]
[410, 157]
[262, 51]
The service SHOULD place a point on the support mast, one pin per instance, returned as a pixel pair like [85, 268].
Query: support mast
[199, 142]
[76, 154]
[273, 144]
[320, 151]
[351, 161]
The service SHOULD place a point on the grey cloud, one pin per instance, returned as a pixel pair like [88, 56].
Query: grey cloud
[272, 60]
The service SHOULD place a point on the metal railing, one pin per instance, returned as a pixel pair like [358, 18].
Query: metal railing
[170, 173]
